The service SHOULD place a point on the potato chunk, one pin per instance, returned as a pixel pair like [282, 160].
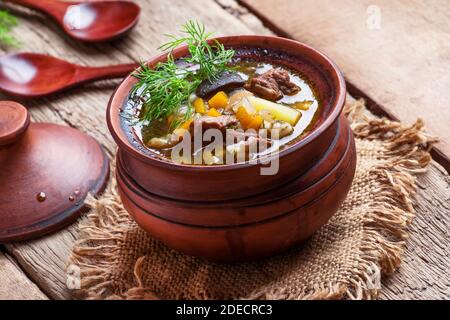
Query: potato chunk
[279, 111]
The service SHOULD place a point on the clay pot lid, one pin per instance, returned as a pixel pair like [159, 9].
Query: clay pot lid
[46, 172]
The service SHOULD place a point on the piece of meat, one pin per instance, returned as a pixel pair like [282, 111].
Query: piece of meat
[225, 81]
[266, 88]
[272, 84]
[220, 123]
[281, 77]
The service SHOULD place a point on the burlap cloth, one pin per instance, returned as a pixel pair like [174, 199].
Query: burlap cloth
[344, 259]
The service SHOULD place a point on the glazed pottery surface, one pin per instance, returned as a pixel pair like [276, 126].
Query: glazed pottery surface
[252, 228]
[224, 182]
[232, 212]
[47, 170]
[32, 75]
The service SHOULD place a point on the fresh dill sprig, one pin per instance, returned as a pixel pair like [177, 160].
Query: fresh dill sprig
[7, 22]
[169, 85]
[164, 90]
[211, 58]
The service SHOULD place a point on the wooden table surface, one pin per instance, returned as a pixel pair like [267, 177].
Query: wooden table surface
[404, 68]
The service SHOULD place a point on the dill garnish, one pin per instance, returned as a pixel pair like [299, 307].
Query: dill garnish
[168, 87]
[7, 22]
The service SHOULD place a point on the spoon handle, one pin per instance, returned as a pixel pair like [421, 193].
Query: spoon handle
[87, 74]
[55, 8]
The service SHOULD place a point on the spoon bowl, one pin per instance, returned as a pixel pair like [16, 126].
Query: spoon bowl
[31, 75]
[89, 21]
[100, 21]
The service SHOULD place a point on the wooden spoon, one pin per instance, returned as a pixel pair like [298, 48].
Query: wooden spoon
[31, 75]
[89, 21]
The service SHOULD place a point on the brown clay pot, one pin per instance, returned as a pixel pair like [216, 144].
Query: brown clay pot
[232, 212]
[250, 228]
[213, 183]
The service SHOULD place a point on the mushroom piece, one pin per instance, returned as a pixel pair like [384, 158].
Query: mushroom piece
[225, 81]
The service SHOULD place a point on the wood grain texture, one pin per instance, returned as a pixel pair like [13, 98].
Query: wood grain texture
[403, 66]
[14, 284]
[44, 260]
[424, 273]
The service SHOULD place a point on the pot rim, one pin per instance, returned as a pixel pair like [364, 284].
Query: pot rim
[117, 99]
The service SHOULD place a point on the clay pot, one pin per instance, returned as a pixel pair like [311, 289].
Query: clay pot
[232, 212]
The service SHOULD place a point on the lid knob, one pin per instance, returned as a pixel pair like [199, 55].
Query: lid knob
[14, 121]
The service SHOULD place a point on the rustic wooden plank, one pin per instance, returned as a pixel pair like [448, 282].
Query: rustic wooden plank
[14, 284]
[44, 259]
[403, 66]
[424, 270]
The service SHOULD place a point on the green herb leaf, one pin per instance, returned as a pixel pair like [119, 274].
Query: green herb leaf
[7, 22]
[167, 88]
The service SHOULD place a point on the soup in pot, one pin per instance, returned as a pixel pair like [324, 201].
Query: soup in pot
[186, 111]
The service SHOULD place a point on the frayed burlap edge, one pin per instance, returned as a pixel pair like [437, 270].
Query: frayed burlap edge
[382, 245]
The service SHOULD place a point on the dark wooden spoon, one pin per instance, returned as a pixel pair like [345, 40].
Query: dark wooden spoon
[89, 21]
[31, 75]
